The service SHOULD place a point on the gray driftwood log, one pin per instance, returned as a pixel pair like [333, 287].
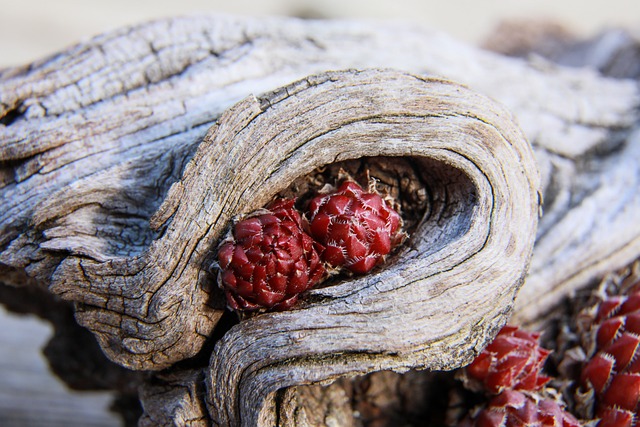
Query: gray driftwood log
[434, 302]
[118, 175]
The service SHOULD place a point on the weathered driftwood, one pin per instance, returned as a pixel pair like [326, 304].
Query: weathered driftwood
[175, 399]
[614, 53]
[436, 300]
[94, 138]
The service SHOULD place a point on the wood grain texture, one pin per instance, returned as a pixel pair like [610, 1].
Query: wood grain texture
[101, 148]
[440, 298]
[174, 399]
[99, 133]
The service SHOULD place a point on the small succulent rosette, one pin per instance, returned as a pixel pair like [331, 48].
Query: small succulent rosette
[268, 260]
[610, 378]
[509, 373]
[357, 228]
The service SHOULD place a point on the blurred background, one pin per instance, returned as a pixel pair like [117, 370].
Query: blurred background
[30, 29]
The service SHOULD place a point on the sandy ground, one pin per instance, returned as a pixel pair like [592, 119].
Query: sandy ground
[30, 29]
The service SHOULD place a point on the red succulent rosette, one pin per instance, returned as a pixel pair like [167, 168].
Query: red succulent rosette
[356, 228]
[268, 260]
[513, 360]
[513, 408]
[613, 373]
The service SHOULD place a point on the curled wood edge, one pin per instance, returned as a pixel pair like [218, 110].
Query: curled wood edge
[438, 301]
[567, 114]
[535, 91]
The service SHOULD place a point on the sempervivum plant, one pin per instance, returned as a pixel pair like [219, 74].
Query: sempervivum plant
[513, 360]
[513, 408]
[613, 373]
[357, 228]
[509, 371]
[268, 259]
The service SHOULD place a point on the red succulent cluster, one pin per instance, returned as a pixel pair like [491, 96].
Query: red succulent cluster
[614, 371]
[269, 260]
[513, 408]
[356, 228]
[509, 369]
[513, 360]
